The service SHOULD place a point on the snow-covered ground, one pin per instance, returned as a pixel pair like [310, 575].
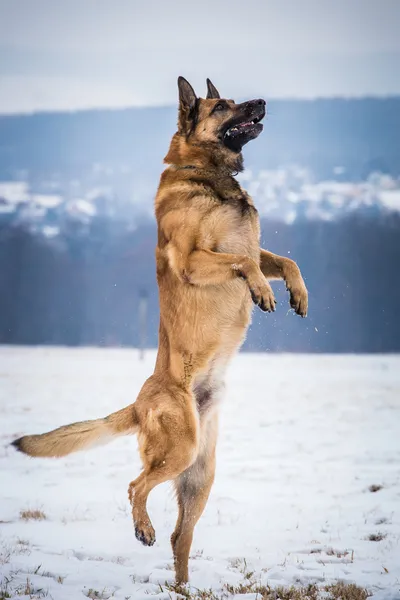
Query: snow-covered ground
[302, 440]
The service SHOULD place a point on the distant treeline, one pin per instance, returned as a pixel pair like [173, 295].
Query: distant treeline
[85, 289]
[362, 135]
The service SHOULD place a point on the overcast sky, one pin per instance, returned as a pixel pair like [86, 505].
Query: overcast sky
[84, 53]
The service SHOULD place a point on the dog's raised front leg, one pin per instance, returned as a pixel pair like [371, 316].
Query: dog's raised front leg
[274, 266]
[205, 267]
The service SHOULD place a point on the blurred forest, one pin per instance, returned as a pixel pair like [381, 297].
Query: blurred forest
[78, 290]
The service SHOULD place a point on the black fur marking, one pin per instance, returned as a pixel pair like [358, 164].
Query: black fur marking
[223, 199]
[246, 207]
[191, 480]
[193, 118]
[240, 201]
[207, 393]
[17, 444]
[204, 398]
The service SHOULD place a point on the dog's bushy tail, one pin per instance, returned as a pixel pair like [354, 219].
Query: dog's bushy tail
[78, 436]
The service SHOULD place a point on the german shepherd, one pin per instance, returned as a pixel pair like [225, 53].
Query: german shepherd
[210, 272]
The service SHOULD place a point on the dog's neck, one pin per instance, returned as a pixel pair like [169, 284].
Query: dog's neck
[185, 153]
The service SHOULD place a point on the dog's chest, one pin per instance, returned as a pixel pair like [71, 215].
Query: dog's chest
[238, 228]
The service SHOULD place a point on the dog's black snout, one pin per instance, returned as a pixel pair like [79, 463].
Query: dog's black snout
[255, 104]
[259, 102]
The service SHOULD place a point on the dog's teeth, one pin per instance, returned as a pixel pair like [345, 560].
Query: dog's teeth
[231, 131]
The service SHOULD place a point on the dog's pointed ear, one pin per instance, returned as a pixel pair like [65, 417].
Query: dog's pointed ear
[212, 92]
[187, 106]
[187, 96]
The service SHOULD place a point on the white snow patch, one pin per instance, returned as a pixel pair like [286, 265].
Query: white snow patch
[81, 207]
[95, 193]
[302, 440]
[47, 200]
[390, 198]
[5, 208]
[50, 231]
[14, 192]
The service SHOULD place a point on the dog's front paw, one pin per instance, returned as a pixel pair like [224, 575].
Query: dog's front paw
[263, 296]
[299, 298]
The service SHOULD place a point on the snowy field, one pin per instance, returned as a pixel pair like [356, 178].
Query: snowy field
[302, 440]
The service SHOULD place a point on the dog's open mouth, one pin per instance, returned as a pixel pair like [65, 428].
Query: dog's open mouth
[245, 127]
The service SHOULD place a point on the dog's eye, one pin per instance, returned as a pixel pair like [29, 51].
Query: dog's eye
[219, 107]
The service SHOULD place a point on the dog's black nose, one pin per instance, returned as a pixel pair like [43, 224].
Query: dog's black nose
[252, 104]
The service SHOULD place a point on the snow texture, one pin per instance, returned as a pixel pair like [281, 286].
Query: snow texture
[302, 439]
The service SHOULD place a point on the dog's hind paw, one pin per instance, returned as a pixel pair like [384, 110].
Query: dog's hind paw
[145, 534]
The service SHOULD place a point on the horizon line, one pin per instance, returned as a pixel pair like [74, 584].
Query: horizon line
[124, 107]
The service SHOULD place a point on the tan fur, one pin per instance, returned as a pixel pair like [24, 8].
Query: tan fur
[210, 270]
[79, 436]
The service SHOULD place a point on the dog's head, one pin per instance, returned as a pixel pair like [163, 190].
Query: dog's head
[213, 129]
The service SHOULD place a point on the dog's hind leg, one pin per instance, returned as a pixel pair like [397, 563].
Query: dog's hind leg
[140, 488]
[168, 442]
[192, 489]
